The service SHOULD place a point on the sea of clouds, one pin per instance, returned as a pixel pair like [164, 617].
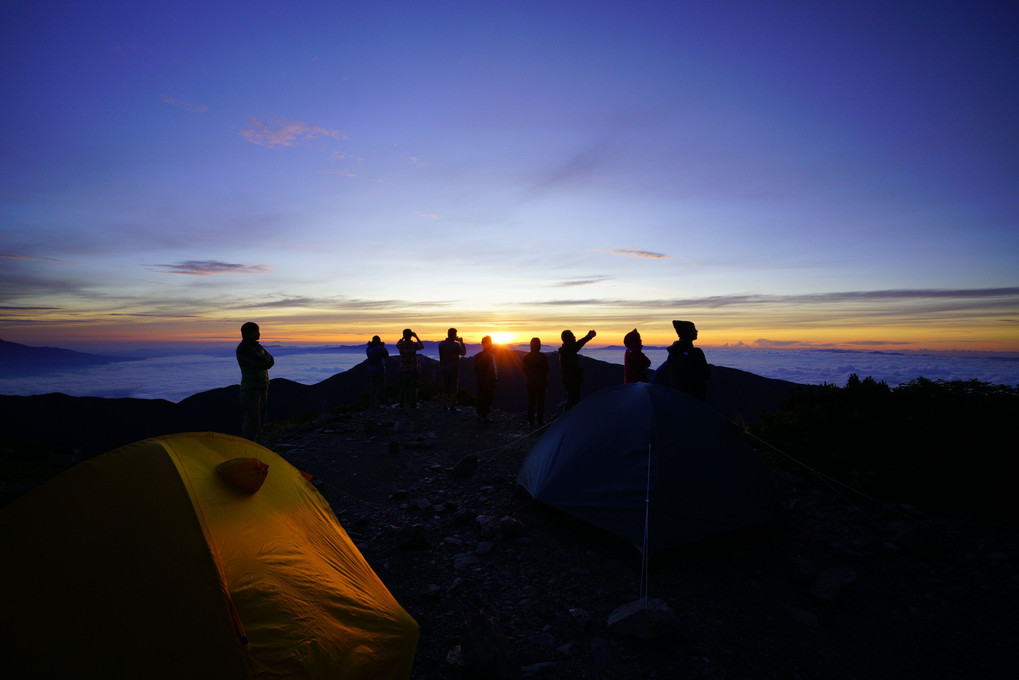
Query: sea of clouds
[176, 377]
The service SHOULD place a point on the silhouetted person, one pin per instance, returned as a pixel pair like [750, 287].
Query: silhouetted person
[409, 348]
[535, 365]
[486, 375]
[688, 370]
[450, 351]
[377, 354]
[635, 362]
[569, 365]
[255, 363]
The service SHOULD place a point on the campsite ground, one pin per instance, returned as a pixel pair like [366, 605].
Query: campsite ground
[503, 587]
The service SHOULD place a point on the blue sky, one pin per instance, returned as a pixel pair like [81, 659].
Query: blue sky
[782, 174]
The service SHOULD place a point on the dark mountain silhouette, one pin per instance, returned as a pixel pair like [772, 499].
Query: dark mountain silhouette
[17, 361]
[93, 425]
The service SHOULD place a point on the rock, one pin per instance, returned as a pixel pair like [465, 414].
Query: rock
[431, 591]
[485, 650]
[543, 642]
[465, 561]
[581, 617]
[601, 651]
[411, 537]
[536, 669]
[801, 616]
[803, 570]
[644, 618]
[831, 583]
[394, 447]
[466, 467]
[512, 526]
[488, 526]
[403, 426]
[422, 504]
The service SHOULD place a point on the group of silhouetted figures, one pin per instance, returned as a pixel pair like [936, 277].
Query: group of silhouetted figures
[685, 369]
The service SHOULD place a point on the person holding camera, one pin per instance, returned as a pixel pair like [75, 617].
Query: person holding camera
[409, 346]
[450, 351]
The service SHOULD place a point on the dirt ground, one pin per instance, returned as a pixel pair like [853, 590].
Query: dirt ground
[504, 587]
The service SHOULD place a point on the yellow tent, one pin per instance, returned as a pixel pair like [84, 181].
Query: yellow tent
[145, 563]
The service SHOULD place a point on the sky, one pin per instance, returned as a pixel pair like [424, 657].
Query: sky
[784, 174]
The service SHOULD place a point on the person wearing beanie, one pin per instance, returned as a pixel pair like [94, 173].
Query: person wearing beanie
[535, 366]
[635, 362]
[688, 370]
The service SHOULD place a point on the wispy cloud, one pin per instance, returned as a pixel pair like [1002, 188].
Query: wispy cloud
[209, 267]
[584, 281]
[31, 257]
[416, 162]
[29, 309]
[285, 133]
[431, 216]
[193, 107]
[636, 252]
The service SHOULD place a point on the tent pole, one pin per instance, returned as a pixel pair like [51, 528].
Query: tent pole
[644, 551]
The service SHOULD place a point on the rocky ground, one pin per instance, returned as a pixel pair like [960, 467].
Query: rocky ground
[503, 587]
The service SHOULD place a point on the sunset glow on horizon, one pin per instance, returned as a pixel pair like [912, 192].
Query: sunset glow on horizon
[782, 175]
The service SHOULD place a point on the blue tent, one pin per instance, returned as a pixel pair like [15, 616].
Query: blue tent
[637, 445]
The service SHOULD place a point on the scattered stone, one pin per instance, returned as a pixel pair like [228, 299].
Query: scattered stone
[422, 504]
[801, 616]
[536, 669]
[431, 591]
[803, 570]
[394, 447]
[411, 537]
[466, 467]
[644, 618]
[512, 526]
[485, 650]
[581, 617]
[831, 583]
[580, 571]
[403, 426]
[465, 561]
[488, 526]
[601, 651]
[543, 642]
[484, 547]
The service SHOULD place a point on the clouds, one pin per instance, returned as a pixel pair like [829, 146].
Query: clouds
[210, 267]
[643, 254]
[281, 132]
[191, 107]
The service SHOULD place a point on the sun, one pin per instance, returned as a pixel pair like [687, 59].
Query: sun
[502, 338]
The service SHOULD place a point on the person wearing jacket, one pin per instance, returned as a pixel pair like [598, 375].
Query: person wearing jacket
[377, 354]
[255, 363]
[535, 366]
[635, 362]
[688, 370]
[569, 365]
[486, 375]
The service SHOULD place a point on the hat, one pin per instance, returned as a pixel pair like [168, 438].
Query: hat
[684, 329]
[632, 339]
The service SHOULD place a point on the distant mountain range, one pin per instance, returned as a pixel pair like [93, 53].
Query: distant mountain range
[18, 361]
[93, 425]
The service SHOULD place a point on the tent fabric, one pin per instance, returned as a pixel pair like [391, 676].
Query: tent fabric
[143, 562]
[596, 463]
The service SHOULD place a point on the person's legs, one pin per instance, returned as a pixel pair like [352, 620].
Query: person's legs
[253, 407]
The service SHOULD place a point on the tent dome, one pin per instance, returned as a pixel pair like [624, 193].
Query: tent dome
[144, 562]
[630, 443]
